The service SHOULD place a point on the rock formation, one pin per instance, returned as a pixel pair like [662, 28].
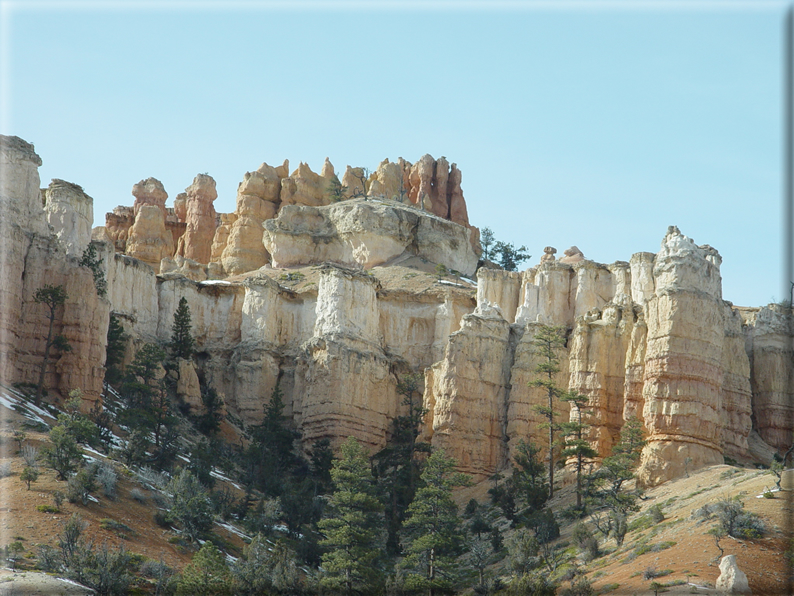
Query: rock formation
[257, 201]
[732, 580]
[365, 233]
[200, 217]
[70, 213]
[650, 337]
[32, 257]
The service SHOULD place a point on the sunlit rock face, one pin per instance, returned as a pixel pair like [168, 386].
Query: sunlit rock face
[365, 233]
[334, 299]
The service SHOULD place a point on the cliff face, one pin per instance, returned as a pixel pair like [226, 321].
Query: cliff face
[362, 304]
[34, 255]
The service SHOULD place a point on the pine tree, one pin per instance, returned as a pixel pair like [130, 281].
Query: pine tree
[351, 525]
[52, 297]
[114, 353]
[433, 532]
[606, 491]
[182, 343]
[91, 260]
[397, 468]
[206, 574]
[528, 481]
[547, 342]
[575, 444]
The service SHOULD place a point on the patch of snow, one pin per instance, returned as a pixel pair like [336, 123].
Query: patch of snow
[92, 498]
[767, 490]
[68, 581]
[452, 283]
[95, 452]
[9, 402]
[233, 530]
[230, 558]
[215, 282]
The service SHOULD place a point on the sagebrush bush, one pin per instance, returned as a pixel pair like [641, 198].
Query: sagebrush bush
[138, 495]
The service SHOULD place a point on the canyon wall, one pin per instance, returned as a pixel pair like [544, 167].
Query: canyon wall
[334, 296]
[39, 247]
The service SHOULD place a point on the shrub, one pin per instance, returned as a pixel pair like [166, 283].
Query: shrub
[5, 469]
[656, 513]
[58, 497]
[47, 509]
[48, 559]
[138, 495]
[586, 542]
[650, 572]
[29, 475]
[31, 455]
[106, 477]
[191, 507]
[80, 486]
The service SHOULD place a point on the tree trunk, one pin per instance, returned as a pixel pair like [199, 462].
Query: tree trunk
[47, 346]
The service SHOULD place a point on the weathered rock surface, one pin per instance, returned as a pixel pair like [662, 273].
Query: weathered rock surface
[200, 217]
[466, 395]
[70, 213]
[148, 239]
[651, 337]
[773, 374]
[732, 580]
[683, 361]
[365, 233]
[32, 257]
[344, 386]
[118, 224]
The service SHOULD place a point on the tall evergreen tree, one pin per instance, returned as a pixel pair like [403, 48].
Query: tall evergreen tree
[52, 297]
[575, 445]
[548, 341]
[351, 525]
[528, 481]
[114, 354]
[434, 535]
[182, 343]
[397, 468]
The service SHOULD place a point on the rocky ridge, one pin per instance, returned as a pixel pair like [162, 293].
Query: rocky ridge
[361, 305]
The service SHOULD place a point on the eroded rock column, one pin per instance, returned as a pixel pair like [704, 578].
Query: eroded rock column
[683, 361]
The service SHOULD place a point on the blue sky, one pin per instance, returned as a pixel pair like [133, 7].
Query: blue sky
[594, 124]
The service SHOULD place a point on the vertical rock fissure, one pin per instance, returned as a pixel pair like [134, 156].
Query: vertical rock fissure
[516, 333]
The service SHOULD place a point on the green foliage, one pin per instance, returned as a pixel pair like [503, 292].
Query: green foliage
[190, 507]
[182, 343]
[114, 353]
[209, 422]
[81, 485]
[207, 574]
[335, 189]
[47, 509]
[52, 297]
[586, 542]
[352, 525]
[266, 570]
[13, 553]
[270, 456]
[29, 475]
[606, 491]
[575, 446]
[396, 467]
[433, 533]
[91, 260]
[508, 256]
[441, 270]
[486, 241]
[62, 453]
[528, 477]
[547, 343]
[530, 584]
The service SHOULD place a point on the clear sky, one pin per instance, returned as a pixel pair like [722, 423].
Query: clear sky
[589, 123]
